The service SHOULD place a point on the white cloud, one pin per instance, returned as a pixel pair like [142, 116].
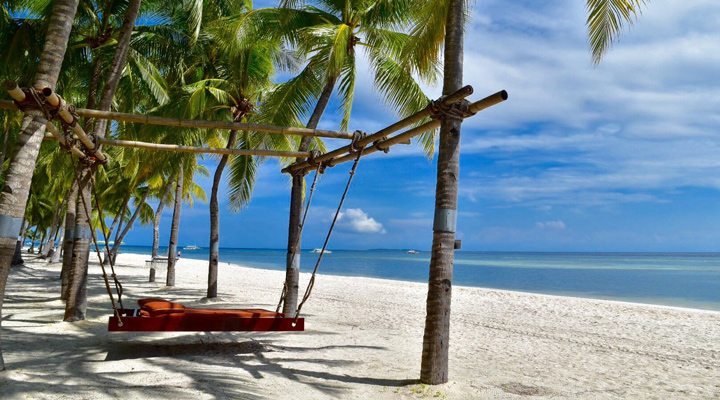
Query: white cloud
[557, 225]
[357, 221]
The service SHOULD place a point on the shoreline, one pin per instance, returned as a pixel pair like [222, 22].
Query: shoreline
[559, 294]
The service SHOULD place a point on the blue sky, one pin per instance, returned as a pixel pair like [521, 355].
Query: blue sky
[624, 156]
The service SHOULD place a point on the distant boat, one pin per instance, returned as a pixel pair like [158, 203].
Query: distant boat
[191, 247]
[412, 251]
[318, 251]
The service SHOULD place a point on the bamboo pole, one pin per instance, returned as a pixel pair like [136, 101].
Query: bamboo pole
[190, 123]
[381, 134]
[14, 91]
[212, 150]
[404, 137]
[69, 119]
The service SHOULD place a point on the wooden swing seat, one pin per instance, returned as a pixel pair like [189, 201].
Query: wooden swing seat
[158, 315]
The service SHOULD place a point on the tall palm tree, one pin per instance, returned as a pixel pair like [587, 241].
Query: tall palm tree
[446, 23]
[17, 182]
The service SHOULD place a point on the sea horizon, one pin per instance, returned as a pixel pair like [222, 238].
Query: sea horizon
[679, 279]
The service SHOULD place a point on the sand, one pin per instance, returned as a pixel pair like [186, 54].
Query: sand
[363, 341]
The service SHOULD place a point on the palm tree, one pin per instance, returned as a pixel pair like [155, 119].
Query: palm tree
[12, 201]
[604, 23]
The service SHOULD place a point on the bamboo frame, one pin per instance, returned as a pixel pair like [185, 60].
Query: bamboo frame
[211, 150]
[381, 134]
[201, 124]
[402, 138]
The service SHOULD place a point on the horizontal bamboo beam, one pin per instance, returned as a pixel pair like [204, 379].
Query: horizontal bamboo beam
[201, 124]
[404, 137]
[210, 150]
[453, 98]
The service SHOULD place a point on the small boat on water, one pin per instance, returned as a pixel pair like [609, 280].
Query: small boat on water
[412, 252]
[191, 247]
[318, 251]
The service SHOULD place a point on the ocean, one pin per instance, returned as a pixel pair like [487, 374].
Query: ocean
[675, 279]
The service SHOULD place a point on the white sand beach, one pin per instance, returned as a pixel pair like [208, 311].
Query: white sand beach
[363, 340]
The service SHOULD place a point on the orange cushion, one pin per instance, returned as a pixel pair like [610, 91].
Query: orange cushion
[142, 302]
[162, 307]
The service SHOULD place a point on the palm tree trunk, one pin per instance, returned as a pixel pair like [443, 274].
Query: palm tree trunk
[60, 234]
[17, 257]
[215, 221]
[436, 340]
[68, 239]
[175, 227]
[292, 266]
[77, 295]
[54, 226]
[76, 304]
[6, 136]
[119, 238]
[31, 250]
[156, 218]
[43, 235]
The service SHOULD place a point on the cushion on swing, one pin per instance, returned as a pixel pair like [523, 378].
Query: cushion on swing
[156, 307]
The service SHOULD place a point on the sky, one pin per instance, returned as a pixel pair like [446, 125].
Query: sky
[623, 156]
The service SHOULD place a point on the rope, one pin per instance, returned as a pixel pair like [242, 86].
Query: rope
[97, 250]
[118, 285]
[302, 224]
[311, 283]
[441, 110]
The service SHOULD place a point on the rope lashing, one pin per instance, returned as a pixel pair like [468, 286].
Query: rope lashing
[376, 145]
[311, 283]
[318, 172]
[317, 165]
[355, 145]
[441, 110]
[33, 100]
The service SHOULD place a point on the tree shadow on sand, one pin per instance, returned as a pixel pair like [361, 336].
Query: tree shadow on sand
[50, 364]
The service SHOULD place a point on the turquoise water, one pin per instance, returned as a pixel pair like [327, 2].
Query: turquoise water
[676, 279]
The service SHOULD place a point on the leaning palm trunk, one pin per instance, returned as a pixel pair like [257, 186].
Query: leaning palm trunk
[215, 221]
[61, 235]
[68, 239]
[158, 215]
[119, 238]
[54, 226]
[174, 228]
[77, 299]
[292, 266]
[434, 367]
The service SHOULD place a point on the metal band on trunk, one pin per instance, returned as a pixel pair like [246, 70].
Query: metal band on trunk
[445, 220]
[10, 226]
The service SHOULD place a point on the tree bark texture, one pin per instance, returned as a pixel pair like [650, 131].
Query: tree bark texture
[215, 220]
[174, 229]
[68, 239]
[292, 266]
[14, 194]
[76, 304]
[436, 339]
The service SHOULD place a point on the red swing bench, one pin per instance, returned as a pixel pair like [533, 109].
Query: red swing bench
[158, 315]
